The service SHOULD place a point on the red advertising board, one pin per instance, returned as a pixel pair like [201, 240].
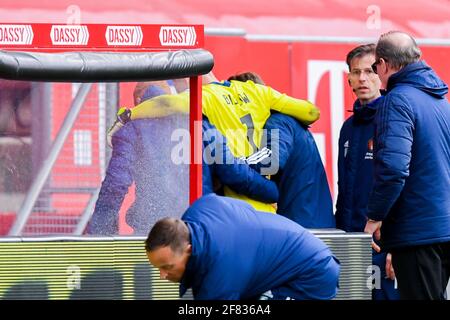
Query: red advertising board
[42, 37]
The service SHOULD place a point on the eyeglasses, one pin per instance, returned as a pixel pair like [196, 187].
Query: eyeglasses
[374, 65]
[356, 73]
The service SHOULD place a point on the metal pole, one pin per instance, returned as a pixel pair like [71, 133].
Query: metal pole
[195, 129]
[39, 181]
[112, 105]
[41, 105]
[318, 39]
[87, 213]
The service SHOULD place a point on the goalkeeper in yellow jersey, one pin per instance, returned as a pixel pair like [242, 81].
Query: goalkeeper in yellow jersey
[237, 109]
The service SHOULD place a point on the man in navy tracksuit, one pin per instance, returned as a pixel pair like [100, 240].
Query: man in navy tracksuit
[222, 248]
[296, 167]
[409, 207]
[301, 179]
[355, 161]
[142, 153]
[219, 163]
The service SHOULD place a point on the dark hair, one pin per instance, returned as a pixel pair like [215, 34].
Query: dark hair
[170, 232]
[360, 51]
[245, 76]
[397, 55]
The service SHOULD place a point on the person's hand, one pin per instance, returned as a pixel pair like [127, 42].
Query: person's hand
[123, 116]
[390, 273]
[373, 227]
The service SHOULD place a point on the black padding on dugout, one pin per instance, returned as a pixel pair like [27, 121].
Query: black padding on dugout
[104, 66]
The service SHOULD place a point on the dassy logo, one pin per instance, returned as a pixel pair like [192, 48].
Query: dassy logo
[16, 34]
[69, 35]
[123, 35]
[177, 36]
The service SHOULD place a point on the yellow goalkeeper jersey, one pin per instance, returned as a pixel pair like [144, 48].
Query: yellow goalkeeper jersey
[239, 111]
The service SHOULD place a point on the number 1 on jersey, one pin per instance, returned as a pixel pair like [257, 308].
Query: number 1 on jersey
[248, 121]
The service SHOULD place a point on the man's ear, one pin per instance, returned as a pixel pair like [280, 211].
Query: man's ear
[350, 84]
[385, 65]
[189, 248]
